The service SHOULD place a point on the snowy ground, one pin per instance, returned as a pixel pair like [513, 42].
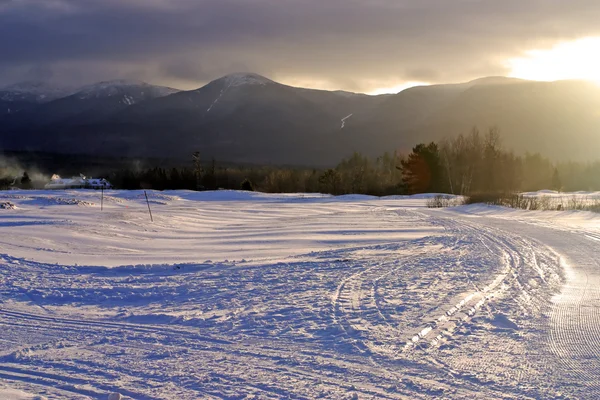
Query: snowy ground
[550, 199]
[232, 295]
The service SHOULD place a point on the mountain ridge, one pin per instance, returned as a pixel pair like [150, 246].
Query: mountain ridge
[245, 117]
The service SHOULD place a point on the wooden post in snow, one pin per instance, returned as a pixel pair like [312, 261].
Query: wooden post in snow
[148, 202]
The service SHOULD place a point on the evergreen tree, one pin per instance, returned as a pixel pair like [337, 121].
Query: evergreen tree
[5, 183]
[175, 181]
[25, 181]
[422, 171]
[330, 182]
[247, 185]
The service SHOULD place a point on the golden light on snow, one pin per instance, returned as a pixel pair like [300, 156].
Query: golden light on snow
[579, 59]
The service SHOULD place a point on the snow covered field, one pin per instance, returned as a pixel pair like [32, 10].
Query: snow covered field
[231, 295]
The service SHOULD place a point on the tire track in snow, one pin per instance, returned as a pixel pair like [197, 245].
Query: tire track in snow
[256, 352]
[517, 284]
[573, 332]
[462, 312]
[86, 325]
[355, 304]
[65, 383]
[67, 378]
[356, 308]
[57, 388]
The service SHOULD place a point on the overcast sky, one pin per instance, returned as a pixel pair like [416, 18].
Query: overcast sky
[356, 45]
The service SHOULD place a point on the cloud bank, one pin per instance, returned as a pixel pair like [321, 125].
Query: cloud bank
[334, 44]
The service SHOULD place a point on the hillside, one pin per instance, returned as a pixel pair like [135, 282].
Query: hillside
[249, 118]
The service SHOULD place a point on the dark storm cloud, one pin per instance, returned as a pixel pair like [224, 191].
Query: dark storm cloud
[347, 43]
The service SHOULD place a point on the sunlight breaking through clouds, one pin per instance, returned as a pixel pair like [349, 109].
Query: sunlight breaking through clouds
[579, 59]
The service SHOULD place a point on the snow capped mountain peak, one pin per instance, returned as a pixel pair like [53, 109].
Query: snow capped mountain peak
[106, 87]
[35, 91]
[114, 83]
[129, 88]
[241, 79]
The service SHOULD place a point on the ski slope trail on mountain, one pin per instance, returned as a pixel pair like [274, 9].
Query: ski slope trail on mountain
[243, 295]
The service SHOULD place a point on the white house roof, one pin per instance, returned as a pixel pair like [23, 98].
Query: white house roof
[58, 182]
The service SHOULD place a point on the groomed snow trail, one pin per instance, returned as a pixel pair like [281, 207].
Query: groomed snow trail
[574, 332]
[293, 297]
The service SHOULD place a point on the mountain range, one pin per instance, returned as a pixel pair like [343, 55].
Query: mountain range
[248, 118]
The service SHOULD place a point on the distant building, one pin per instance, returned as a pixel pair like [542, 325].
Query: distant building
[80, 182]
[93, 183]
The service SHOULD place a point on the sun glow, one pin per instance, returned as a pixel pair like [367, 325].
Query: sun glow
[579, 59]
[396, 88]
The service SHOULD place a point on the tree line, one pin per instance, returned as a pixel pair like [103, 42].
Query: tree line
[356, 174]
[465, 165]
[478, 163]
